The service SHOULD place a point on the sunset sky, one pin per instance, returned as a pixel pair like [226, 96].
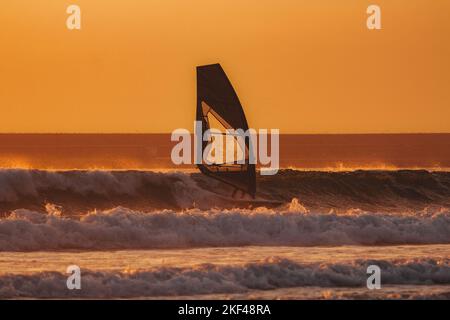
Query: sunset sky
[300, 66]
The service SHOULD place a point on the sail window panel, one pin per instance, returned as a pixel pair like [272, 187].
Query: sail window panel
[225, 149]
[214, 123]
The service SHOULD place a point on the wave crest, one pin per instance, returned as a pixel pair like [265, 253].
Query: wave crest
[122, 228]
[271, 273]
[80, 191]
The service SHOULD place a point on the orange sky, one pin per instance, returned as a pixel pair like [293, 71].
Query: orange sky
[301, 66]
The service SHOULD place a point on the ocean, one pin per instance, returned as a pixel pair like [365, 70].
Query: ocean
[139, 229]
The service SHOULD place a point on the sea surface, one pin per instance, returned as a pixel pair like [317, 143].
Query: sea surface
[242, 272]
[164, 233]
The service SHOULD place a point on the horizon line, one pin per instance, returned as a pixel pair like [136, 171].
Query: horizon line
[288, 133]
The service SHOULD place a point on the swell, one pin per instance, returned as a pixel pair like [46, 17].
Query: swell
[272, 273]
[368, 190]
[122, 228]
[79, 191]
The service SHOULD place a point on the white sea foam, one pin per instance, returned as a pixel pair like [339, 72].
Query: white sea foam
[269, 274]
[122, 228]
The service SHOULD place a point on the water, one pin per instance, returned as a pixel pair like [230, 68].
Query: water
[167, 234]
[252, 272]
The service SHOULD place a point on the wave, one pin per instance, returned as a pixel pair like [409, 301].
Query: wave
[79, 191]
[269, 274]
[122, 228]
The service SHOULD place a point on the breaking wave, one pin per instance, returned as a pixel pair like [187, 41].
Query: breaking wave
[122, 228]
[79, 191]
[269, 274]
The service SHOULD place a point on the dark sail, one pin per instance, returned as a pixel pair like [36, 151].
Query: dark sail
[218, 102]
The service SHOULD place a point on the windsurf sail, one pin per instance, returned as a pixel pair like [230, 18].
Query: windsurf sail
[218, 108]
